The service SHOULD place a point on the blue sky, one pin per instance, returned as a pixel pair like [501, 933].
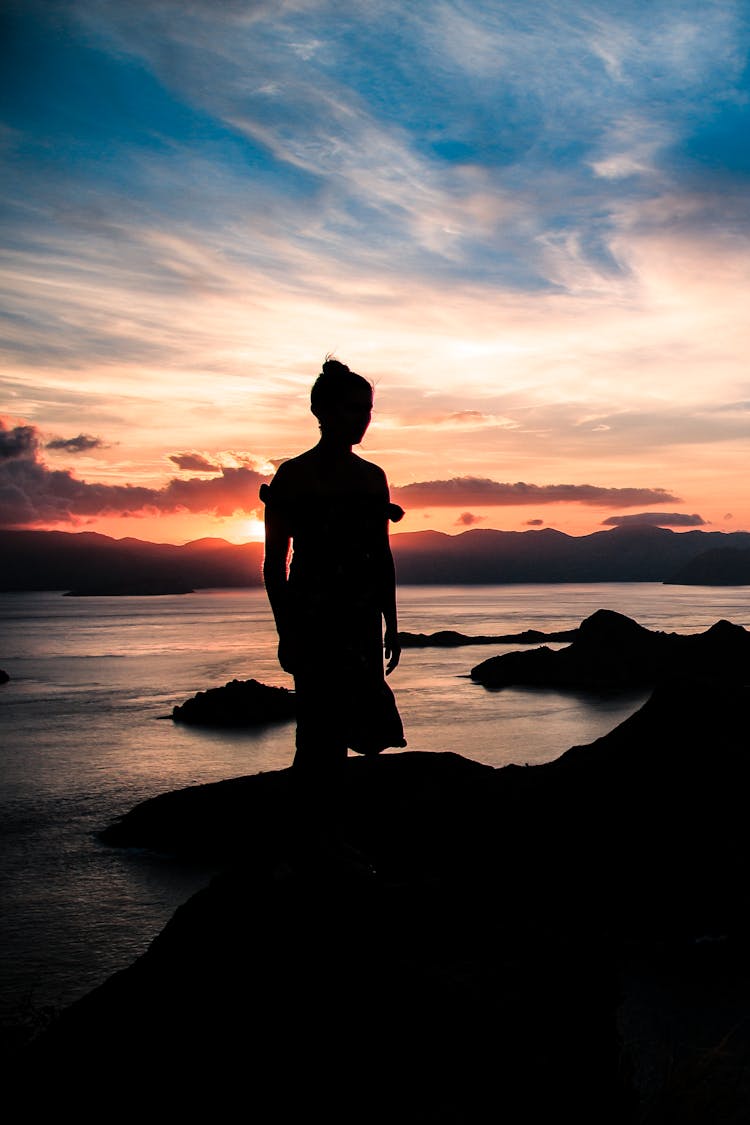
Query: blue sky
[526, 222]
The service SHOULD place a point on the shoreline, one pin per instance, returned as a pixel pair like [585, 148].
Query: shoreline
[605, 915]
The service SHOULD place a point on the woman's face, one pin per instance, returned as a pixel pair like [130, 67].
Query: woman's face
[348, 418]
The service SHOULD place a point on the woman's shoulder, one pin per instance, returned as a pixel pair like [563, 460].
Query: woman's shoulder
[293, 465]
[371, 473]
[289, 472]
[277, 493]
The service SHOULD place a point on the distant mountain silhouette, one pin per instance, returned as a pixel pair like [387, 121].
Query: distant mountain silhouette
[723, 566]
[89, 562]
[60, 560]
[632, 554]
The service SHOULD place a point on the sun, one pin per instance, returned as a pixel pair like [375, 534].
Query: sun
[249, 531]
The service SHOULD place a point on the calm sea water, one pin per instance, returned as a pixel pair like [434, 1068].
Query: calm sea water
[84, 737]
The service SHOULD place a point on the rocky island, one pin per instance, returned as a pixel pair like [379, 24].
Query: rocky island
[448, 638]
[611, 651]
[240, 703]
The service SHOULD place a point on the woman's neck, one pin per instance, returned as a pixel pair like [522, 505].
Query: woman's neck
[332, 448]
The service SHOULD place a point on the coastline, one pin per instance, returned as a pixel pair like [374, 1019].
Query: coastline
[439, 887]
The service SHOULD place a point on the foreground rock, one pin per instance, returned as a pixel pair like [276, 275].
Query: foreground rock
[612, 651]
[240, 703]
[432, 940]
[356, 962]
[4, 677]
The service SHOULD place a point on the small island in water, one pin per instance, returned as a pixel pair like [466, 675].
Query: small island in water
[129, 589]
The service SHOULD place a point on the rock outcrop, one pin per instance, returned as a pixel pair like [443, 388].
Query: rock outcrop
[4, 677]
[611, 651]
[240, 703]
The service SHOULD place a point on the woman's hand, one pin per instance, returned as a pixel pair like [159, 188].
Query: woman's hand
[392, 650]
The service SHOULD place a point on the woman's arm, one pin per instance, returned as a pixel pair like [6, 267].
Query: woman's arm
[278, 542]
[275, 568]
[388, 586]
[390, 640]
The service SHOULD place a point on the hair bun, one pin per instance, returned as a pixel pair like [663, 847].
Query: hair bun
[334, 383]
[334, 367]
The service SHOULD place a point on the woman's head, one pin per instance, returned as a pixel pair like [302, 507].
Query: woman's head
[341, 400]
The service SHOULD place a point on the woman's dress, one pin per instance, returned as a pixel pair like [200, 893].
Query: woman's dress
[336, 591]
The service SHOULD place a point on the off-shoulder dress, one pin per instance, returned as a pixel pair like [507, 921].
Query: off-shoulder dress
[336, 591]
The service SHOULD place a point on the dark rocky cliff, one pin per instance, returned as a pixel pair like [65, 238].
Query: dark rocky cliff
[432, 940]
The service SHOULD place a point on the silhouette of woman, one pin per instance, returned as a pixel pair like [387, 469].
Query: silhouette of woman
[332, 508]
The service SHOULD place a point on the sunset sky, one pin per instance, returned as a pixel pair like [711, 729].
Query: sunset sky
[526, 222]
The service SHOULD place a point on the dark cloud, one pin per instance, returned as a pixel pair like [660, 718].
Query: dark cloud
[534, 523]
[21, 441]
[31, 493]
[193, 461]
[80, 444]
[656, 519]
[468, 519]
[460, 492]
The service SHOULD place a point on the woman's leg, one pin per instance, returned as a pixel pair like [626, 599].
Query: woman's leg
[321, 739]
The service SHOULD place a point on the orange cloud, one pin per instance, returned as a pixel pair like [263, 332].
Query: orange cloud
[479, 491]
[468, 519]
[31, 493]
[193, 461]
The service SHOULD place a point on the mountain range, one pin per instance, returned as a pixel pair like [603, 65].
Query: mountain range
[87, 562]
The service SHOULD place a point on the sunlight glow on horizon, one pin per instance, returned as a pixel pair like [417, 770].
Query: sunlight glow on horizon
[248, 531]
